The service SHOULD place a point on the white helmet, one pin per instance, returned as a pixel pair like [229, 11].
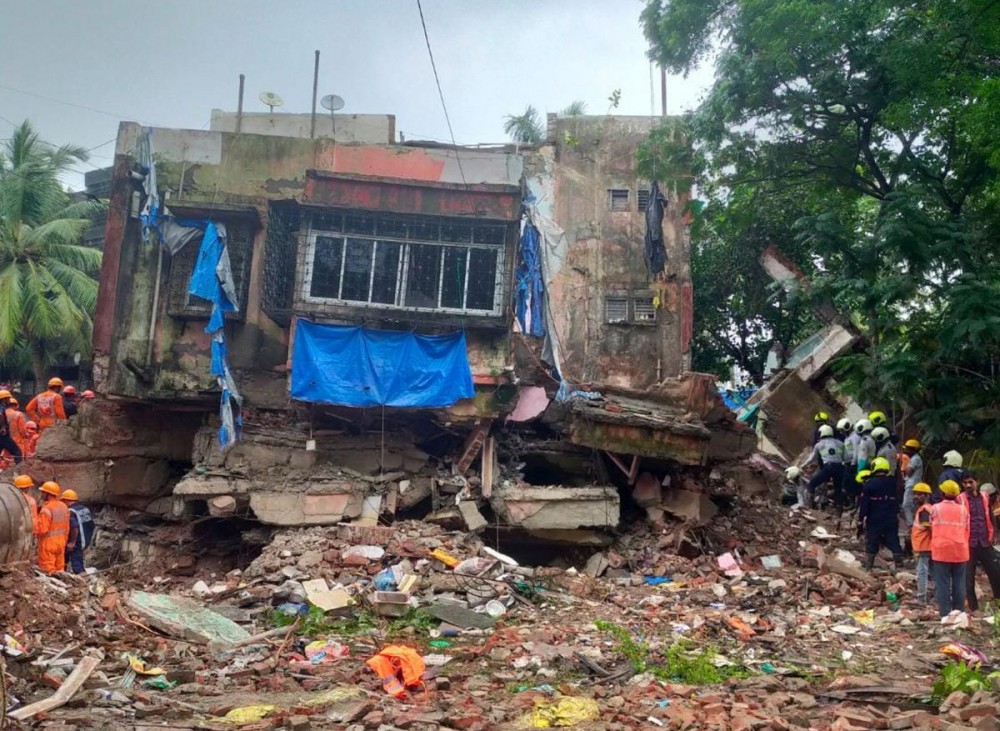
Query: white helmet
[863, 426]
[880, 434]
[793, 473]
[952, 459]
[826, 431]
[844, 424]
[989, 488]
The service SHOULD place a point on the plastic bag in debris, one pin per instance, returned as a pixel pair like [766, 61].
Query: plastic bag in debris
[159, 682]
[970, 655]
[561, 713]
[324, 651]
[140, 667]
[385, 580]
[246, 714]
[475, 566]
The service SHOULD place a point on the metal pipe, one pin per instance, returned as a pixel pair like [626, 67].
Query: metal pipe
[312, 126]
[239, 106]
[663, 90]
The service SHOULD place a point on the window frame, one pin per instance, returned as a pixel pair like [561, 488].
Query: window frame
[631, 316]
[313, 234]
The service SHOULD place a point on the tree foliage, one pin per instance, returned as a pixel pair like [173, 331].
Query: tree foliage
[864, 132]
[47, 285]
[525, 128]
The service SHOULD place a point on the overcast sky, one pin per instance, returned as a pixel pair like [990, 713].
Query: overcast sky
[168, 63]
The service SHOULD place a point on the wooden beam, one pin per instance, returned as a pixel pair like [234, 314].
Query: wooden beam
[67, 690]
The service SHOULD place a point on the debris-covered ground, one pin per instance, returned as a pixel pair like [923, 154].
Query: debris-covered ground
[771, 625]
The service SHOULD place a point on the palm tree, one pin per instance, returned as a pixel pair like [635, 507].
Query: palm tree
[526, 128]
[47, 285]
[575, 108]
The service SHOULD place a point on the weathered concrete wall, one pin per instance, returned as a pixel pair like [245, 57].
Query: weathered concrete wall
[588, 157]
[376, 129]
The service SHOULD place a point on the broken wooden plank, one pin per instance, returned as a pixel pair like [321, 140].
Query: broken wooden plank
[67, 690]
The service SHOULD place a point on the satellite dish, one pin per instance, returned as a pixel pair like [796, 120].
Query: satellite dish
[271, 99]
[332, 102]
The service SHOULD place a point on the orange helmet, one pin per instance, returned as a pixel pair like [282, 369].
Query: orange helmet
[55, 382]
[69, 390]
[31, 426]
[5, 394]
[68, 495]
[88, 394]
[14, 402]
[50, 488]
[23, 481]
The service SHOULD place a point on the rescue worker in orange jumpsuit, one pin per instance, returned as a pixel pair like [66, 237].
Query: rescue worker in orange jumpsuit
[25, 483]
[6, 438]
[52, 529]
[31, 436]
[16, 420]
[47, 407]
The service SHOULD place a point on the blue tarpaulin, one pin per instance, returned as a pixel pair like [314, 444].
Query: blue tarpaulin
[356, 366]
[530, 286]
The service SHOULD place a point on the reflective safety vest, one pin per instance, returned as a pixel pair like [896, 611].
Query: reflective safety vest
[399, 667]
[950, 532]
[83, 521]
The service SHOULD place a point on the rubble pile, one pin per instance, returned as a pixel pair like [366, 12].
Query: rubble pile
[759, 619]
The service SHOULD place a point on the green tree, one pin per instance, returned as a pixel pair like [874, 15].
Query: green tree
[576, 108]
[525, 128]
[880, 116]
[47, 285]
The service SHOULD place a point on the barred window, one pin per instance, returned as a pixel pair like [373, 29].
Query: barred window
[181, 304]
[405, 262]
[626, 310]
[618, 199]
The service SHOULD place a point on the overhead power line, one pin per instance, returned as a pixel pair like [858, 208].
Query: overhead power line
[63, 102]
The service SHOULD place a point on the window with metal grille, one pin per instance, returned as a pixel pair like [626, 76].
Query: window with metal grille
[618, 199]
[239, 242]
[643, 309]
[616, 309]
[405, 262]
[642, 198]
[280, 249]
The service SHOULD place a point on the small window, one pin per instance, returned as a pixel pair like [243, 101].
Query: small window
[616, 309]
[643, 310]
[182, 304]
[618, 199]
[642, 199]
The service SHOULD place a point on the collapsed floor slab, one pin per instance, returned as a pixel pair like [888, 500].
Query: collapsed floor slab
[557, 508]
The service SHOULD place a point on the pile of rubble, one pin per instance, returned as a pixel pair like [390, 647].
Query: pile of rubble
[760, 619]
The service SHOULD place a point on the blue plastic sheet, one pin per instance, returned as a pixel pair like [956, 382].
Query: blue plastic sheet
[530, 293]
[355, 366]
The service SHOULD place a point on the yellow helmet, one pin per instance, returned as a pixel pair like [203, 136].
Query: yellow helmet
[50, 488]
[54, 382]
[880, 464]
[877, 418]
[950, 488]
[821, 417]
[68, 495]
[5, 394]
[862, 476]
[24, 482]
[912, 443]
[923, 488]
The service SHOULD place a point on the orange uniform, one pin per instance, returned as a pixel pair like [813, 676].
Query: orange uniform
[46, 408]
[30, 444]
[52, 529]
[950, 532]
[920, 532]
[16, 422]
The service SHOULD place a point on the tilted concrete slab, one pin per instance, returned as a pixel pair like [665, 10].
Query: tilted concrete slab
[185, 619]
[558, 508]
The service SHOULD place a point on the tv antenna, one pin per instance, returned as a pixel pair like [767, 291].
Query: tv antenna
[271, 99]
[333, 103]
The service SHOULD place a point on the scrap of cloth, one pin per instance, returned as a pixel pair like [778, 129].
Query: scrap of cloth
[357, 366]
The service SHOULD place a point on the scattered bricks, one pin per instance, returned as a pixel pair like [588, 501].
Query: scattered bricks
[298, 723]
[987, 723]
[779, 724]
[472, 721]
[858, 718]
[975, 711]
[958, 699]
[442, 683]
[910, 719]
[373, 719]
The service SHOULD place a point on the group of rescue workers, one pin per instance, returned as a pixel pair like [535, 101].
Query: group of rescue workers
[63, 526]
[949, 526]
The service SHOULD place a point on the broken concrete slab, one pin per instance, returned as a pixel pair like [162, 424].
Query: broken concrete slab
[297, 508]
[184, 618]
[473, 519]
[460, 616]
[557, 508]
[687, 505]
[222, 506]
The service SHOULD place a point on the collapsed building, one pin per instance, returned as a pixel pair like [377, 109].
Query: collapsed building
[492, 335]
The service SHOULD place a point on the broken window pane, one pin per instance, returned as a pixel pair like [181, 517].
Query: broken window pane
[618, 199]
[482, 280]
[357, 270]
[616, 309]
[327, 261]
[453, 282]
[423, 276]
[386, 276]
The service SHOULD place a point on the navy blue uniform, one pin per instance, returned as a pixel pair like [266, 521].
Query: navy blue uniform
[879, 509]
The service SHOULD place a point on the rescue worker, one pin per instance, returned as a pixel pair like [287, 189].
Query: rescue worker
[81, 531]
[31, 436]
[913, 474]
[950, 549]
[920, 536]
[865, 447]
[885, 448]
[829, 455]
[69, 401]
[878, 514]
[820, 419]
[844, 430]
[25, 483]
[990, 490]
[6, 438]
[981, 551]
[88, 394]
[952, 471]
[52, 529]
[47, 407]
[878, 418]
[16, 421]
[793, 491]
